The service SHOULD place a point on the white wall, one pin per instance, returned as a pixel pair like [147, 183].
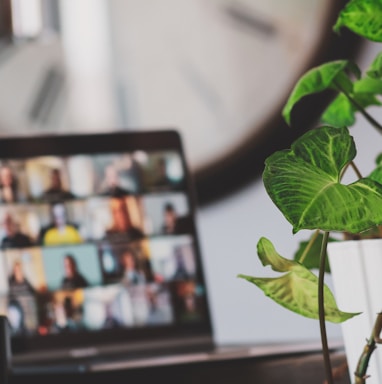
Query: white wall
[229, 232]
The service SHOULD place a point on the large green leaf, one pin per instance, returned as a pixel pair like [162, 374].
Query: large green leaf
[297, 288]
[304, 183]
[317, 80]
[363, 17]
[375, 69]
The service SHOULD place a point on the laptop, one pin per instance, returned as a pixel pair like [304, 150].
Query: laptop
[100, 259]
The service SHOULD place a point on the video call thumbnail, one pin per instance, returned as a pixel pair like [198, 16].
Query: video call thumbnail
[71, 267]
[45, 284]
[167, 213]
[190, 301]
[173, 258]
[127, 263]
[111, 307]
[73, 222]
[51, 179]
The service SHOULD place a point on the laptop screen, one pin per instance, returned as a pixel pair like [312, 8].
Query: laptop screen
[98, 241]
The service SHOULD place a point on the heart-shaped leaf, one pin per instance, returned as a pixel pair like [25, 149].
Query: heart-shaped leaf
[364, 17]
[304, 183]
[297, 288]
[328, 75]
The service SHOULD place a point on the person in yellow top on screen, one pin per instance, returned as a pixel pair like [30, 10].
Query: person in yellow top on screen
[60, 232]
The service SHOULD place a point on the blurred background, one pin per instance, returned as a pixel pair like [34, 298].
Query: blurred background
[218, 71]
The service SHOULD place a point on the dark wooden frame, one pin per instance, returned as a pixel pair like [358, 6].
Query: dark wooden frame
[246, 163]
[5, 19]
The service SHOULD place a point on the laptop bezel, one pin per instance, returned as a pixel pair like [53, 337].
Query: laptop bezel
[62, 346]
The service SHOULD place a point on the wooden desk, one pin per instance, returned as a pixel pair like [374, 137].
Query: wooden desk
[294, 368]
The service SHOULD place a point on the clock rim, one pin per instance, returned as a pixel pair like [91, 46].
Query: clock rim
[244, 164]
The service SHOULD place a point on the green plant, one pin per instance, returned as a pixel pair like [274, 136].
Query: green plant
[305, 182]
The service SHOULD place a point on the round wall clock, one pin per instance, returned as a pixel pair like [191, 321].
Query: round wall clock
[220, 71]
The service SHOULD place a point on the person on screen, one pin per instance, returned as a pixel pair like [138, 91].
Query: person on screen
[8, 185]
[70, 323]
[181, 272]
[170, 219]
[112, 183]
[159, 308]
[172, 223]
[18, 283]
[121, 227]
[131, 274]
[162, 180]
[72, 276]
[16, 317]
[56, 191]
[60, 231]
[13, 238]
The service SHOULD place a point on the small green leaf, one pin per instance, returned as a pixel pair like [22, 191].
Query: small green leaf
[339, 113]
[316, 80]
[368, 85]
[312, 258]
[376, 174]
[297, 289]
[378, 160]
[304, 183]
[268, 256]
[365, 100]
[375, 69]
[364, 17]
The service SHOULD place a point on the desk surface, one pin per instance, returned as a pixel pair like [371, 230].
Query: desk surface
[268, 364]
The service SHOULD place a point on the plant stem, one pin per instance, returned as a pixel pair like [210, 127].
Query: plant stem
[368, 117]
[363, 362]
[321, 310]
[309, 246]
[356, 170]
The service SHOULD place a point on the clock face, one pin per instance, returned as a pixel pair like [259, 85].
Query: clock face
[214, 69]
[218, 71]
